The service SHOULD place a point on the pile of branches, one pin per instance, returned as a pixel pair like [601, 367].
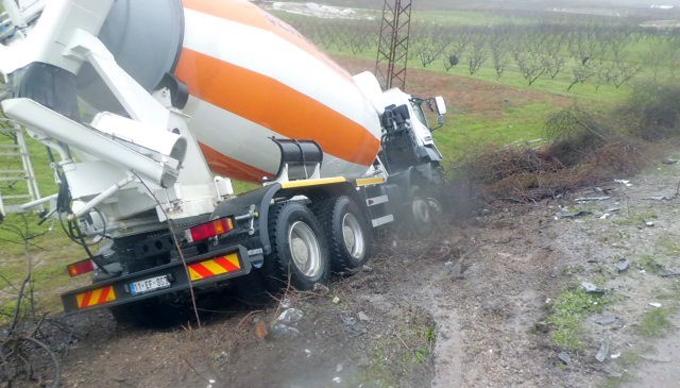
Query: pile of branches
[583, 151]
[31, 343]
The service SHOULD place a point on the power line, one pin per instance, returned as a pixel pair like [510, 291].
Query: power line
[393, 44]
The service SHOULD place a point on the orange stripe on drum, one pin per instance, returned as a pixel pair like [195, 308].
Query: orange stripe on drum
[242, 11]
[276, 106]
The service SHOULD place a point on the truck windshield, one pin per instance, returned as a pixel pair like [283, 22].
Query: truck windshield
[417, 105]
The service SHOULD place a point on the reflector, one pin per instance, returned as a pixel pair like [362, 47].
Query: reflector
[81, 267]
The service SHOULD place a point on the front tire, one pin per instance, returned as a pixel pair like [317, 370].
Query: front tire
[422, 212]
[299, 248]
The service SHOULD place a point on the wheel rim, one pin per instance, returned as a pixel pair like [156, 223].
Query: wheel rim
[305, 249]
[421, 210]
[353, 236]
[435, 206]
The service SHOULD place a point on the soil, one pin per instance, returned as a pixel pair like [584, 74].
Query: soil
[465, 95]
[464, 306]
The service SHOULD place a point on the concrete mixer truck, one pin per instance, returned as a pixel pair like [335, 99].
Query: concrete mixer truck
[150, 108]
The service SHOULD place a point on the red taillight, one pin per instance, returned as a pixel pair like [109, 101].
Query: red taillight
[210, 230]
[79, 268]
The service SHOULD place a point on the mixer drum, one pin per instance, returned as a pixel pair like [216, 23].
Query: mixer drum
[146, 39]
[251, 77]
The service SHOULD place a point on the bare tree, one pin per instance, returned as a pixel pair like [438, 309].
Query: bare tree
[478, 54]
[432, 46]
[582, 73]
[530, 65]
[461, 39]
[500, 50]
[552, 55]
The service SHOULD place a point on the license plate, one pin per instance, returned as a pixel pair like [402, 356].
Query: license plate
[148, 285]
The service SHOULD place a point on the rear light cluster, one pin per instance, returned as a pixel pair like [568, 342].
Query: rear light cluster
[80, 268]
[209, 230]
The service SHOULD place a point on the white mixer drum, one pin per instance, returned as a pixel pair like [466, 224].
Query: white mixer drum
[251, 77]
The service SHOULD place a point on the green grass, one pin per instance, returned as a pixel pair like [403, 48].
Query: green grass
[638, 218]
[571, 308]
[628, 361]
[669, 245]
[651, 264]
[466, 133]
[50, 253]
[655, 323]
[395, 358]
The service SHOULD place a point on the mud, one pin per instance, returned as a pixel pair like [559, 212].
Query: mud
[484, 285]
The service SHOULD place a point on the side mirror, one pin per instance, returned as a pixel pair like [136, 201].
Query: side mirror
[440, 104]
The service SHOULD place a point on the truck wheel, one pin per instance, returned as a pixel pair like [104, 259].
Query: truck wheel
[299, 248]
[422, 212]
[348, 234]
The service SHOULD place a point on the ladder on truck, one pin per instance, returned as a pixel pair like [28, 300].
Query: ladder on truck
[18, 184]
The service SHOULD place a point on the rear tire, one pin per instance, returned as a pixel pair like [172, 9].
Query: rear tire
[349, 236]
[299, 248]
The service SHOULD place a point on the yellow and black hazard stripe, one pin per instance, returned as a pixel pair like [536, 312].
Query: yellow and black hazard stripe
[96, 297]
[214, 267]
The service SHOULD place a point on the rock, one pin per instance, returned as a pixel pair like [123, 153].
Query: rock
[542, 327]
[661, 198]
[290, 316]
[321, 289]
[649, 224]
[591, 288]
[593, 199]
[336, 300]
[564, 357]
[603, 352]
[363, 317]
[366, 268]
[564, 214]
[283, 330]
[261, 330]
[669, 162]
[337, 380]
[348, 320]
[308, 353]
[622, 265]
[615, 356]
[606, 320]
[624, 182]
